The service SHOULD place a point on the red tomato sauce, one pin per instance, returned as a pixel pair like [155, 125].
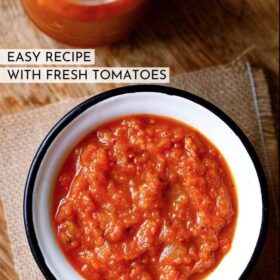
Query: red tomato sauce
[144, 197]
[75, 9]
[81, 23]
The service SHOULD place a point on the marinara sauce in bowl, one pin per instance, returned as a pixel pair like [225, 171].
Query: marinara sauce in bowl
[145, 182]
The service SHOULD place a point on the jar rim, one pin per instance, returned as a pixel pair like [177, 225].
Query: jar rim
[92, 2]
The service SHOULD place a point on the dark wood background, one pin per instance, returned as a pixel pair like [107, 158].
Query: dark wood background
[186, 35]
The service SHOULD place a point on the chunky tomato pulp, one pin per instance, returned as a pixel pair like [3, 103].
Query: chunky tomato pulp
[144, 197]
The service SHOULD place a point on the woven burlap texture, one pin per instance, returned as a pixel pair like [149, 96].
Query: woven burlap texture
[228, 87]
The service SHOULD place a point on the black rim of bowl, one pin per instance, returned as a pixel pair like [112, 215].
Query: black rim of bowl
[31, 178]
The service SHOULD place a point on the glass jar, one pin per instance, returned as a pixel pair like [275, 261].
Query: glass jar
[86, 23]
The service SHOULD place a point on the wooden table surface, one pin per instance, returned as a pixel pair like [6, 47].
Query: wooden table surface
[186, 35]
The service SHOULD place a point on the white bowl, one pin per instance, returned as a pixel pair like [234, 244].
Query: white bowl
[180, 105]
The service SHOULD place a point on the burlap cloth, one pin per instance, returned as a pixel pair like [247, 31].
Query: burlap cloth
[235, 88]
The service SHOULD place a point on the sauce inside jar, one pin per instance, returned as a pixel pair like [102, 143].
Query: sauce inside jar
[87, 23]
[144, 197]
